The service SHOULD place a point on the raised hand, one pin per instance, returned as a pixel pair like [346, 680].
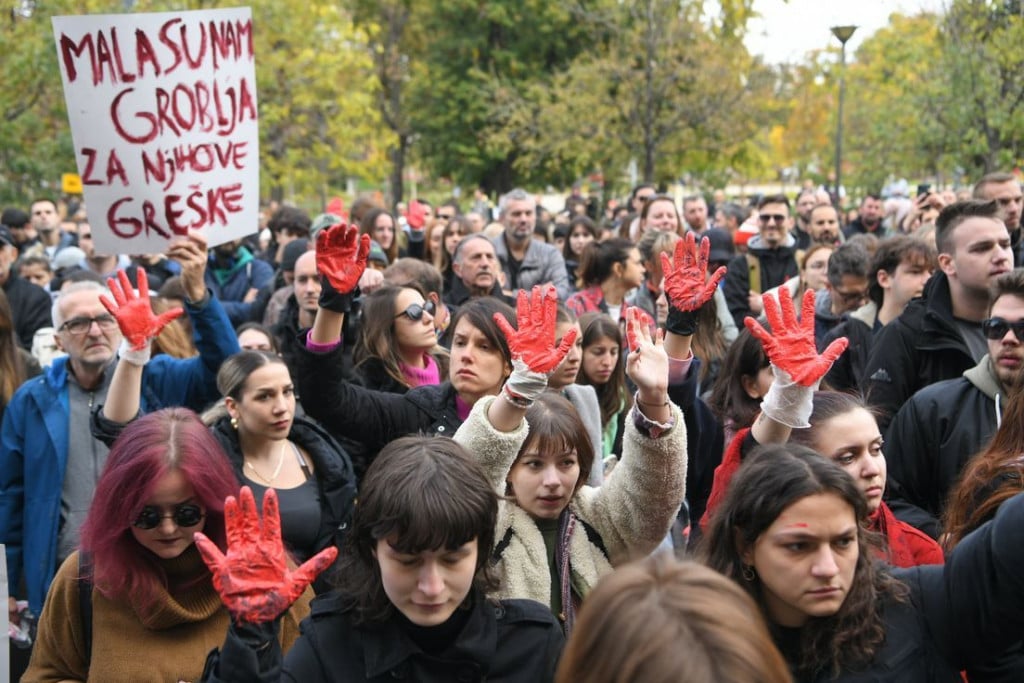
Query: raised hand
[134, 314]
[340, 260]
[790, 345]
[647, 362]
[533, 342]
[687, 284]
[253, 578]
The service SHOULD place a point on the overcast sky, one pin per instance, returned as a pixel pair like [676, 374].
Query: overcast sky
[786, 31]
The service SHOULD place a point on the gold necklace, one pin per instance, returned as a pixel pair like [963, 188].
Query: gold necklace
[277, 470]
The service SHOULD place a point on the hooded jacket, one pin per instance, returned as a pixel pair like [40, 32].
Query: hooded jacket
[934, 435]
[776, 266]
[920, 347]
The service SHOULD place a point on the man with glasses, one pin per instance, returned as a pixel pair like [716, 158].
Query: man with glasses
[770, 260]
[846, 288]
[942, 426]
[49, 462]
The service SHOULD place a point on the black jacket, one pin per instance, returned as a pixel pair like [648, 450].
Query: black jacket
[506, 642]
[920, 347]
[776, 266]
[705, 443]
[366, 418]
[335, 477]
[932, 438]
[958, 615]
[858, 328]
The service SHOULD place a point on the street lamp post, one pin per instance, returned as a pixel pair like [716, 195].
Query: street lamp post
[843, 33]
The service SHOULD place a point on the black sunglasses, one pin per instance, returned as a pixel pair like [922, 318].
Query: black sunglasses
[184, 515]
[996, 328]
[776, 217]
[415, 311]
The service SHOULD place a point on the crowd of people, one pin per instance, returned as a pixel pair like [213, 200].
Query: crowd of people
[744, 441]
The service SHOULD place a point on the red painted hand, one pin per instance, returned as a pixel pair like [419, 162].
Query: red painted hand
[686, 282]
[253, 578]
[134, 314]
[534, 340]
[341, 256]
[790, 344]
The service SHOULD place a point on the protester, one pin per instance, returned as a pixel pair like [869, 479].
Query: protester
[411, 602]
[658, 620]
[266, 444]
[136, 603]
[535, 450]
[789, 532]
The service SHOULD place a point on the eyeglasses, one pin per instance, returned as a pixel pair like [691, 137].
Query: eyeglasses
[415, 311]
[446, 216]
[996, 328]
[184, 515]
[770, 217]
[107, 323]
[849, 297]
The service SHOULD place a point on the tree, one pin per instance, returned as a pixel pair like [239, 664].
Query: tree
[665, 89]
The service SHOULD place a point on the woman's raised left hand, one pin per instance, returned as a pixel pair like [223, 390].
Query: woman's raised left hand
[533, 342]
[647, 362]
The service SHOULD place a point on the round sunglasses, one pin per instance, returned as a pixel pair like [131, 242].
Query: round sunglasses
[415, 311]
[184, 515]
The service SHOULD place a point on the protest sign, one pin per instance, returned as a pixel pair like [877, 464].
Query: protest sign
[163, 117]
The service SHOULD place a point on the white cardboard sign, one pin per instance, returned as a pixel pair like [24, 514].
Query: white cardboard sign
[163, 117]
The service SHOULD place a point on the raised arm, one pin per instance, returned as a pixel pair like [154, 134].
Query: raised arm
[687, 288]
[635, 507]
[340, 260]
[796, 365]
[139, 326]
[496, 429]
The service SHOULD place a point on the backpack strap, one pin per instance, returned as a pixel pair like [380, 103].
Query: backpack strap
[85, 585]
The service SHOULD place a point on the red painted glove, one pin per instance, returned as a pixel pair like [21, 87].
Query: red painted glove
[340, 260]
[416, 216]
[790, 344]
[533, 342]
[134, 314]
[253, 578]
[687, 285]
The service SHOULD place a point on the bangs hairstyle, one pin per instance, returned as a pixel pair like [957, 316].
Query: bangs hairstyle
[555, 428]
[424, 493]
[771, 480]
[479, 313]
[652, 619]
[168, 440]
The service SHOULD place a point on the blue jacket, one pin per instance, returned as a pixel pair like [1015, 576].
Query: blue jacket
[34, 443]
[230, 285]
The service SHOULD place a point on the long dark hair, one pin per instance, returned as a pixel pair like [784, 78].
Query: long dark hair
[598, 258]
[769, 482]
[729, 399]
[612, 396]
[427, 493]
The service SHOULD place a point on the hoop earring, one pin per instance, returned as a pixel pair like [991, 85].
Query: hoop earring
[748, 572]
[234, 423]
